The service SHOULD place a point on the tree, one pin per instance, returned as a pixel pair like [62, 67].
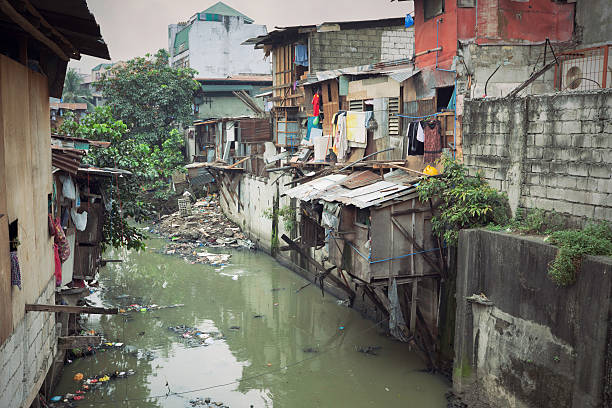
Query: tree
[150, 96]
[74, 92]
[146, 100]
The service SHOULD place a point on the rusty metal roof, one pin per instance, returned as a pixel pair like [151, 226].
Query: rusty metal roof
[66, 158]
[360, 179]
[375, 192]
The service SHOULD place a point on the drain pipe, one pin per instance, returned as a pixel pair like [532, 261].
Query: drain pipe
[455, 72]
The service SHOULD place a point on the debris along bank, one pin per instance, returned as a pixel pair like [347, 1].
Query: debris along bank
[244, 326]
[199, 225]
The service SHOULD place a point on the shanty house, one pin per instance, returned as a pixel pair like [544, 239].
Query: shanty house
[376, 230]
[39, 38]
[300, 52]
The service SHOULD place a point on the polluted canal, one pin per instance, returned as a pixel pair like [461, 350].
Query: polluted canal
[237, 335]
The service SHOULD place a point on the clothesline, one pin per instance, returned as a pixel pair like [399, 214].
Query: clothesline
[419, 117]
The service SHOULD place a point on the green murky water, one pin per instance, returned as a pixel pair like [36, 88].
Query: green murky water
[261, 364]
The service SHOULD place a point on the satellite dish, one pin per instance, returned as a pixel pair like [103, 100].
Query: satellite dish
[573, 77]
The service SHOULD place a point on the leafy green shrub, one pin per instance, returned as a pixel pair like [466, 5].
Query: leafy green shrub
[594, 239]
[286, 213]
[464, 201]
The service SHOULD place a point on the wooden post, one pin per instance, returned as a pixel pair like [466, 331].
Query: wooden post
[324, 272]
[71, 342]
[417, 246]
[69, 309]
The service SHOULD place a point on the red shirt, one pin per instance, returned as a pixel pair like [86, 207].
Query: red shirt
[315, 104]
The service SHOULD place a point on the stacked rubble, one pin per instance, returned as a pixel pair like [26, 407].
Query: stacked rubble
[205, 226]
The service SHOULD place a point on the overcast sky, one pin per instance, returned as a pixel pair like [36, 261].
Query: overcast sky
[134, 27]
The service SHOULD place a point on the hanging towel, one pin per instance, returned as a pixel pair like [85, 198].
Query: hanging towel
[15, 271]
[355, 129]
[433, 142]
[301, 55]
[420, 136]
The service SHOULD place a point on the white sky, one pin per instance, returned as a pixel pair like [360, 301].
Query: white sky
[132, 28]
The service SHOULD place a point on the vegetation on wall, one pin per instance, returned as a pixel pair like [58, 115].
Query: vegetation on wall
[462, 201]
[286, 213]
[594, 239]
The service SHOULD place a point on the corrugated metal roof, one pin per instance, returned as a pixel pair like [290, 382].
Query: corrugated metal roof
[329, 188]
[360, 179]
[66, 158]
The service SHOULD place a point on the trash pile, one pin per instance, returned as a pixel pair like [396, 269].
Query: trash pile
[207, 226]
[194, 337]
[207, 402]
[87, 385]
[135, 307]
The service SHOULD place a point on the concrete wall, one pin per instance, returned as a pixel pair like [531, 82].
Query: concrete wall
[216, 52]
[28, 353]
[352, 47]
[551, 151]
[594, 22]
[536, 344]
[515, 63]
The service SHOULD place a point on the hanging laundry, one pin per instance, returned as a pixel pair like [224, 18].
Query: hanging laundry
[58, 266]
[316, 99]
[415, 146]
[15, 270]
[60, 241]
[355, 129]
[420, 136]
[433, 142]
[301, 55]
[340, 139]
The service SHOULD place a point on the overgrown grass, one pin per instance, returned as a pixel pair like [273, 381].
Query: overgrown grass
[469, 202]
[594, 239]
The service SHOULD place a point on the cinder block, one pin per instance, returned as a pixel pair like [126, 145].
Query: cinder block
[601, 170]
[562, 140]
[561, 207]
[583, 210]
[576, 196]
[581, 140]
[535, 127]
[578, 169]
[534, 152]
[603, 213]
[537, 191]
[569, 115]
[555, 193]
[601, 199]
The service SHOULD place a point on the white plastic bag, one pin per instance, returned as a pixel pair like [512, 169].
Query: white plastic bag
[80, 220]
[68, 188]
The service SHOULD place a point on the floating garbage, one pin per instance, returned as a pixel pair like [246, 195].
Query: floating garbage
[195, 337]
[135, 307]
[90, 384]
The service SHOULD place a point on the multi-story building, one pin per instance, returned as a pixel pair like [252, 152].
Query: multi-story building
[211, 43]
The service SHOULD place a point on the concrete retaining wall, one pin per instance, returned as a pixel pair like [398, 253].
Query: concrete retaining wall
[27, 354]
[535, 345]
[550, 151]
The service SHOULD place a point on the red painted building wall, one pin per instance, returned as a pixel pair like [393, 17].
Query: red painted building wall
[495, 21]
[425, 35]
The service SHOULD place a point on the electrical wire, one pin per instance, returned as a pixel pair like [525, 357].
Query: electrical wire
[279, 369]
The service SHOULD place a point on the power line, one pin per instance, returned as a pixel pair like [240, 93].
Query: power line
[232, 382]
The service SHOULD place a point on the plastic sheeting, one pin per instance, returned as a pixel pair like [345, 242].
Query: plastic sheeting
[396, 317]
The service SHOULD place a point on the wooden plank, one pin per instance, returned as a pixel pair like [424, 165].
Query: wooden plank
[384, 300]
[71, 342]
[33, 307]
[324, 272]
[416, 245]
[404, 279]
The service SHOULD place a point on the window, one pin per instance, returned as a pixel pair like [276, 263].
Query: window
[433, 8]
[14, 235]
[362, 217]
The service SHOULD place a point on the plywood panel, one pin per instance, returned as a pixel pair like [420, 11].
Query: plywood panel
[26, 172]
[6, 315]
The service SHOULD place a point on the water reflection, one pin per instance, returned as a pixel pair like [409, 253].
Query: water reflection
[280, 348]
